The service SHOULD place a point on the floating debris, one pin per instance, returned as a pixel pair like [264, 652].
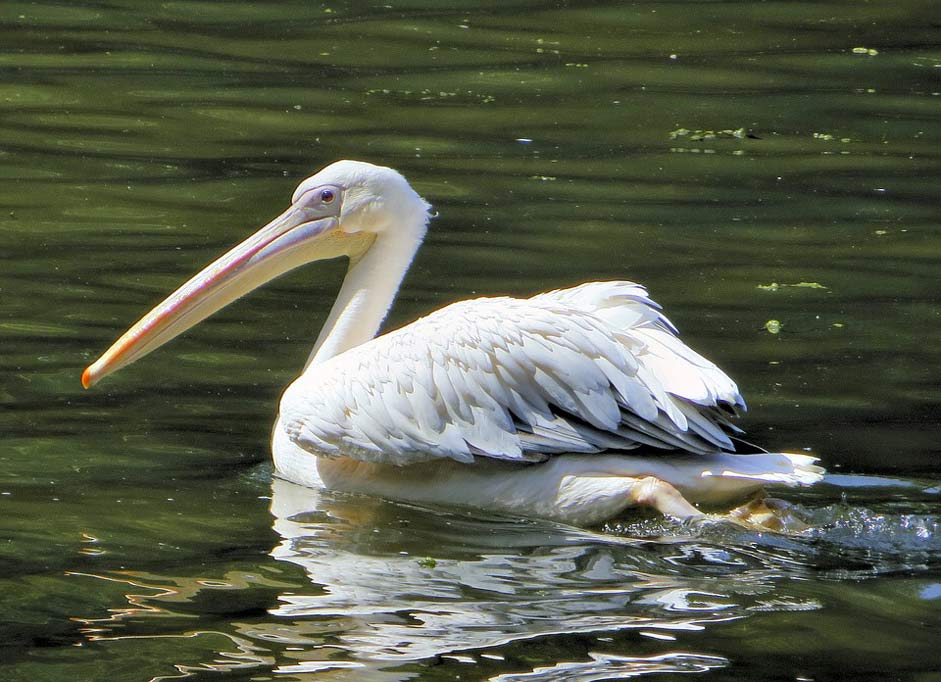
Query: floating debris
[827, 137]
[699, 135]
[774, 286]
[773, 326]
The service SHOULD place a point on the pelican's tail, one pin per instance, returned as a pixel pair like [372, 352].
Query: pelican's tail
[724, 475]
[770, 468]
[806, 471]
[722, 478]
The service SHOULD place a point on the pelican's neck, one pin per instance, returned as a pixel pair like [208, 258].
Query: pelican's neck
[368, 291]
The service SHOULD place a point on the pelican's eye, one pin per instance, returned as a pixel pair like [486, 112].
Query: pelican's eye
[327, 196]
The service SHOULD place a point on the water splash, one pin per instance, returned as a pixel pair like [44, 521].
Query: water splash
[879, 527]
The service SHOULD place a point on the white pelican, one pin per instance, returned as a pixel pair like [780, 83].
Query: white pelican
[570, 405]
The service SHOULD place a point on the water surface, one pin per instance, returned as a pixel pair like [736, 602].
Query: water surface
[748, 162]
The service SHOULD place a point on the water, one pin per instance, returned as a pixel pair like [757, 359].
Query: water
[143, 535]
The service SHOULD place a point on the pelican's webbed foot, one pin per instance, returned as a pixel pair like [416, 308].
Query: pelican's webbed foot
[768, 513]
[760, 512]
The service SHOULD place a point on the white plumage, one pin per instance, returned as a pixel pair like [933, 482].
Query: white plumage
[515, 379]
[572, 404]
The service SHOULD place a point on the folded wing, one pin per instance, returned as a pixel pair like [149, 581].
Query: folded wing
[588, 369]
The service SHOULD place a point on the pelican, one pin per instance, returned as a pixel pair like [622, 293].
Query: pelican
[570, 405]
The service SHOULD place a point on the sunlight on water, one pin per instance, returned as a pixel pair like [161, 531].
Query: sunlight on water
[612, 667]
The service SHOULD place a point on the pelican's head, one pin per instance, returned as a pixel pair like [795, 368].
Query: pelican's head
[365, 198]
[340, 211]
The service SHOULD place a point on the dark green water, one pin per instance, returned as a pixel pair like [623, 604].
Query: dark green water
[142, 536]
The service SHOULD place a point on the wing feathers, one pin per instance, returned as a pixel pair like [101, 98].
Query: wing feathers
[591, 368]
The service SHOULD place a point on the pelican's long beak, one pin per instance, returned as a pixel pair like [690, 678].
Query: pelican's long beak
[292, 239]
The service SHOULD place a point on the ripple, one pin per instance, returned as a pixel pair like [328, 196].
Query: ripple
[611, 667]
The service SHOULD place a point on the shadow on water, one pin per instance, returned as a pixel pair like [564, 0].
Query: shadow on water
[363, 589]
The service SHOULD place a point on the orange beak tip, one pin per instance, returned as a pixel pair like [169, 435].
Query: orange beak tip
[86, 378]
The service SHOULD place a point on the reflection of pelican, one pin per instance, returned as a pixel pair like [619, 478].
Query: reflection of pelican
[382, 603]
[361, 589]
[524, 405]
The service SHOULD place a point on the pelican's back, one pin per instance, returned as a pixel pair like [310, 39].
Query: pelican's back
[582, 370]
